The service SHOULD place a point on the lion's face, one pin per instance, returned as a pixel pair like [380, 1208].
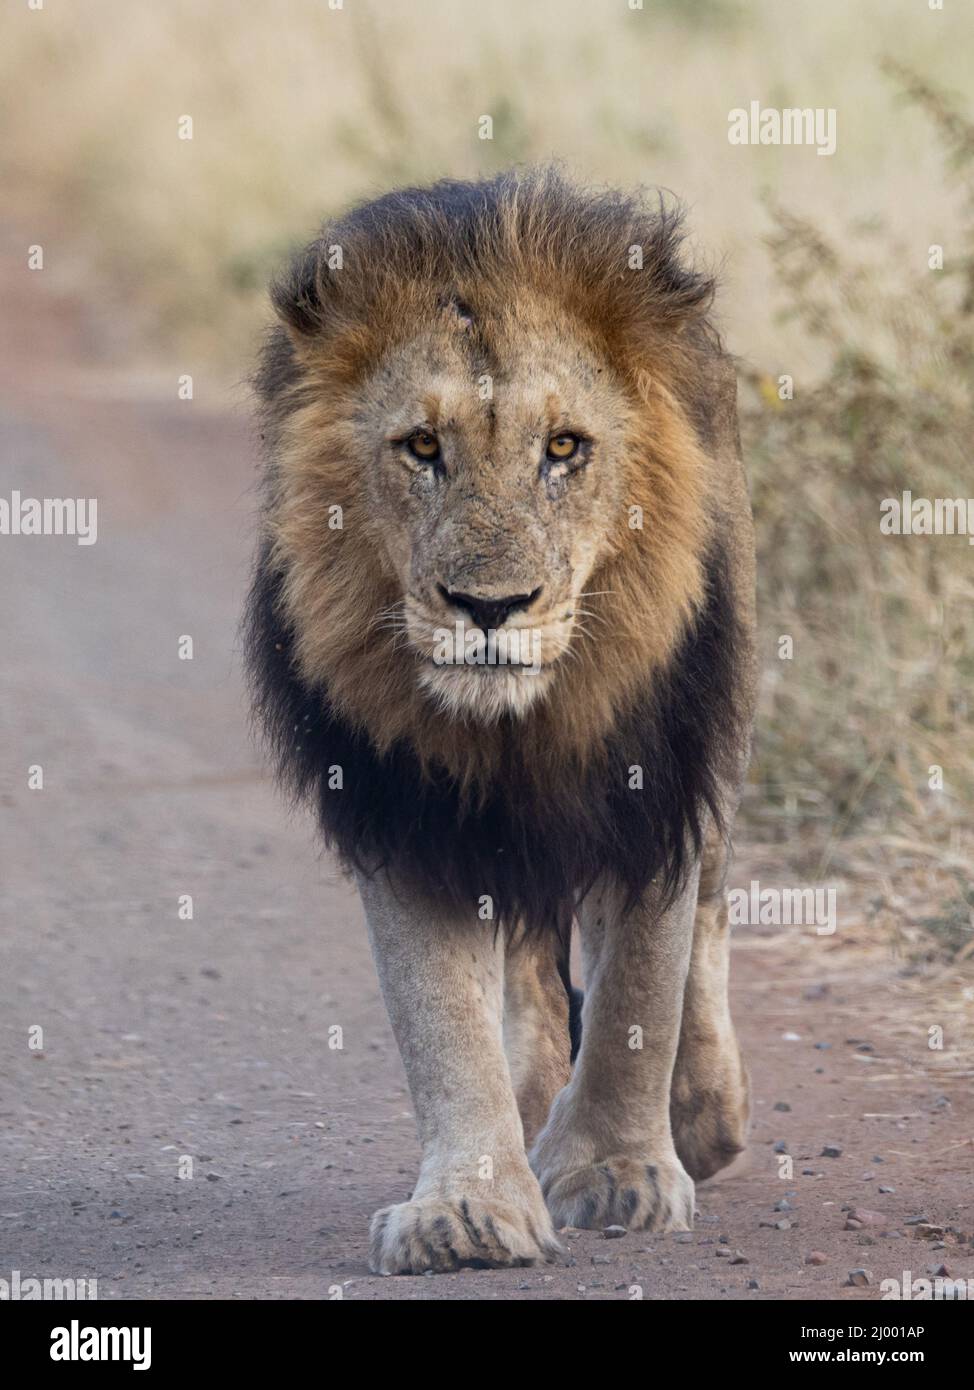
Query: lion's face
[494, 482]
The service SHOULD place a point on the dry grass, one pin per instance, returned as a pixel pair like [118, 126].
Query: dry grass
[878, 692]
[299, 109]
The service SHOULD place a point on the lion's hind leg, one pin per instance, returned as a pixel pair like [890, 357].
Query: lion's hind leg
[539, 1012]
[710, 1095]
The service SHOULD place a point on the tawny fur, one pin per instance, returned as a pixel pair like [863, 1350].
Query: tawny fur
[577, 311]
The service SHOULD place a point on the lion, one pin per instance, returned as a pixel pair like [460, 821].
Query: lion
[500, 636]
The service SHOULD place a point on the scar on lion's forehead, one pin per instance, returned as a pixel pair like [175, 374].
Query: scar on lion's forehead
[457, 311]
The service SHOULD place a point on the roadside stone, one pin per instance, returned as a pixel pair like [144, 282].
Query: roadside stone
[816, 1257]
[831, 1151]
[861, 1216]
[859, 1279]
[926, 1230]
[614, 1232]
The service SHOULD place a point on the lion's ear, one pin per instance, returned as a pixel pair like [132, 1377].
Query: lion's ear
[719, 408]
[302, 295]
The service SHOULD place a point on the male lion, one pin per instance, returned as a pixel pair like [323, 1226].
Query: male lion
[501, 636]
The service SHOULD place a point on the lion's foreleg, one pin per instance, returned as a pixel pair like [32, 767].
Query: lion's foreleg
[476, 1200]
[607, 1154]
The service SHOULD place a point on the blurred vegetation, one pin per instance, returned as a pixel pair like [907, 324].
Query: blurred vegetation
[880, 686]
[299, 109]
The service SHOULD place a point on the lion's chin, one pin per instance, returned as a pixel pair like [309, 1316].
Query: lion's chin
[484, 693]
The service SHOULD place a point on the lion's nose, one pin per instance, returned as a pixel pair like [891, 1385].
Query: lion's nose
[486, 611]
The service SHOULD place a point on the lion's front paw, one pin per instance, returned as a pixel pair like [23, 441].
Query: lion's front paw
[623, 1191]
[443, 1234]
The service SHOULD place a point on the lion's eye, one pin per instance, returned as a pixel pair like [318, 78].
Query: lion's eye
[562, 447]
[423, 446]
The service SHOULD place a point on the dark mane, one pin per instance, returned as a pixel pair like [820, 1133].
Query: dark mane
[531, 854]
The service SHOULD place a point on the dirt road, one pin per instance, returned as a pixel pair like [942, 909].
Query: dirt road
[167, 1040]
